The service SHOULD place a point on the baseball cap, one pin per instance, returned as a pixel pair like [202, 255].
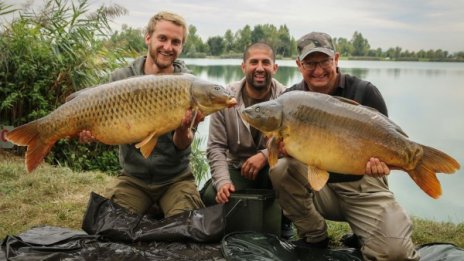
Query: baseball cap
[315, 42]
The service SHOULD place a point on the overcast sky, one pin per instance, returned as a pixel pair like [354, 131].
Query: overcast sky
[409, 24]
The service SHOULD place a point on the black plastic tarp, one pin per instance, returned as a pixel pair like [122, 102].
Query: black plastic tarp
[55, 243]
[105, 218]
[263, 247]
[111, 233]
[258, 246]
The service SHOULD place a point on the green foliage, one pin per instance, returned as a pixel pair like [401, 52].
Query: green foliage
[228, 42]
[129, 39]
[232, 45]
[198, 161]
[194, 46]
[216, 45]
[6, 9]
[243, 39]
[343, 46]
[286, 45]
[360, 45]
[78, 157]
[49, 54]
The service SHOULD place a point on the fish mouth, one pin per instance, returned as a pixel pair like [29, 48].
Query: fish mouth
[231, 102]
[246, 115]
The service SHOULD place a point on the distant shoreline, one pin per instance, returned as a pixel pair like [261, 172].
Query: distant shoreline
[350, 58]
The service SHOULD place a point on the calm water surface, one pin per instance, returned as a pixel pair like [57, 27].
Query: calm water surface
[425, 99]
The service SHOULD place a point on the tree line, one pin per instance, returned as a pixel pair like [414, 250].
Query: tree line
[232, 44]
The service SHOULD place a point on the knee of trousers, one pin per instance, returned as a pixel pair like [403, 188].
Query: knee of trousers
[392, 239]
[390, 249]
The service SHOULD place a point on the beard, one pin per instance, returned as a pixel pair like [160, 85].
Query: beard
[261, 85]
[159, 60]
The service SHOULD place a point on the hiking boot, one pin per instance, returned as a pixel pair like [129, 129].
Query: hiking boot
[351, 240]
[286, 231]
[303, 243]
[286, 228]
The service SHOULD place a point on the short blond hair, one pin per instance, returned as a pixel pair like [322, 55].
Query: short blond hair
[167, 16]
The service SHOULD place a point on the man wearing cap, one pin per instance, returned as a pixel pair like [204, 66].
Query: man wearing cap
[382, 230]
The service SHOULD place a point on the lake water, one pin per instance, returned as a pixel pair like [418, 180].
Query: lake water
[425, 99]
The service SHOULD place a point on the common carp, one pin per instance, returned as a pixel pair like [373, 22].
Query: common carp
[339, 135]
[133, 110]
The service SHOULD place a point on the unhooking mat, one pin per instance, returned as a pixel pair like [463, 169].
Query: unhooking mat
[111, 233]
[267, 247]
[54, 243]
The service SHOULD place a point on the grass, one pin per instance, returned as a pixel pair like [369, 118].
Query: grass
[53, 196]
[57, 196]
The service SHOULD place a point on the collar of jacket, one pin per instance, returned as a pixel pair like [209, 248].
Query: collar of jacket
[237, 87]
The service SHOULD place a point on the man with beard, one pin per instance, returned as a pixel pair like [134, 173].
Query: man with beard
[163, 181]
[236, 151]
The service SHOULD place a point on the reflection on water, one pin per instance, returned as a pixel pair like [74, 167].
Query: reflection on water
[425, 99]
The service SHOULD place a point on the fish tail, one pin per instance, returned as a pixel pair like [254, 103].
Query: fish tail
[433, 161]
[439, 161]
[29, 135]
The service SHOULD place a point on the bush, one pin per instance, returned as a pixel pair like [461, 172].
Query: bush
[198, 161]
[46, 56]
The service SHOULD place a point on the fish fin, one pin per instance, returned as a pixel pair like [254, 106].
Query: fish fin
[273, 149]
[147, 145]
[432, 161]
[438, 161]
[398, 129]
[427, 180]
[28, 135]
[77, 93]
[194, 116]
[148, 148]
[317, 178]
[346, 100]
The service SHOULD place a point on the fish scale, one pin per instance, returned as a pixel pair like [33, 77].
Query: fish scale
[133, 110]
[337, 135]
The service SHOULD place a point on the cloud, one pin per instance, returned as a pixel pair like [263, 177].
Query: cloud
[412, 25]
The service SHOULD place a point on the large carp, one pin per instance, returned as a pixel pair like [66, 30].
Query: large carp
[137, 109]
[339, 135]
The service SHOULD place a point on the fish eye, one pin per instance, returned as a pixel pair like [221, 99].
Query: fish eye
[217, 88]
[257, 109]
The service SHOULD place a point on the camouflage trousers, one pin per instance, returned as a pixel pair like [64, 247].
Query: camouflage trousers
[179, 195]
[367, 205]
